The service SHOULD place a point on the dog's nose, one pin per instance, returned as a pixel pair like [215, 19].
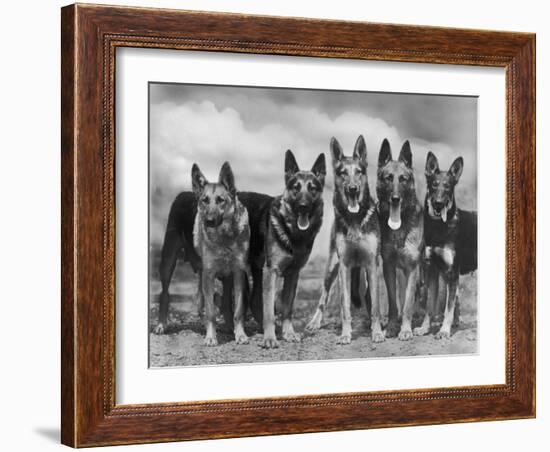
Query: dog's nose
[353, 189]
[395, 199]
[303, 206]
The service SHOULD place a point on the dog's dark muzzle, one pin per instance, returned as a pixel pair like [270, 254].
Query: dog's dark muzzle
[212, 222]
[438, 206]
[303, 209]
[395, 200]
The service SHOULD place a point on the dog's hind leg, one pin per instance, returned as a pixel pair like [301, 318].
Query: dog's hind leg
[410, 290]
[432, 280]
[451, 279]
[256, 297]
[173, 244]
[238, 319]
[229, 292]
[330, 276]
[357, 290]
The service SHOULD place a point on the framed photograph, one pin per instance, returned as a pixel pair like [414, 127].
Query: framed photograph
[281, 225]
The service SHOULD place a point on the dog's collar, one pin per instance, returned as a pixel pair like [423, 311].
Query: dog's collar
[372, 209]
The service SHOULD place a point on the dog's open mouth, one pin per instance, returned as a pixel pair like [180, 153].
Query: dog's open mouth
[353, 204]
[440, 213]
[394, 220]
[303, 221]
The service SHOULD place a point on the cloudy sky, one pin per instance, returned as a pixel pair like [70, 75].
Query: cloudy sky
[253, 127]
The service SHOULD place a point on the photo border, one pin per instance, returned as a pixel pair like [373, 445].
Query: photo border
[90, 36]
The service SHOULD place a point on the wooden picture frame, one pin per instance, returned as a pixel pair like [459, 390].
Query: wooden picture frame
[90, 35]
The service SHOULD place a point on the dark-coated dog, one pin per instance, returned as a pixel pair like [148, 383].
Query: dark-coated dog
[402, 229]
[355, 240]
[450, 236]
[178, 244]
[291, 225]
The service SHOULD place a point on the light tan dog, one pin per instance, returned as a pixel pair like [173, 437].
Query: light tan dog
[221, 237]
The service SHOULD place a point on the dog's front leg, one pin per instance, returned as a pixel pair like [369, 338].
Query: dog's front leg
[391, 287]
[344, 273]
[330, 275]
[432, 276]
[412, 277]
[238, 287]
[377, 334]
[289, 293]
[207, 280]
[274, 293]
[451, 279]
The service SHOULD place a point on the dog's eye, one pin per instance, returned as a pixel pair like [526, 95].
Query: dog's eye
[312, 189]
[389, 177]
[435, 184]
[297, 187]
[220, 200]
[403, 178]
[206, 200]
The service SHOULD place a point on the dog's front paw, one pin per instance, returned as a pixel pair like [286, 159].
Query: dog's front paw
[241, 338]
[392, 329]
[443, 334]
[421, 331]
[270, 342]
[315, 323]
[378, 337]
[159, 329]
[405, 335]
[210, 341]
[291, 336]
[344, 339]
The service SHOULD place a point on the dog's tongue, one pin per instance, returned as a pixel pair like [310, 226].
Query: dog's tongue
[303, 221]
[394, 221]
[444, 214]
[353, 205]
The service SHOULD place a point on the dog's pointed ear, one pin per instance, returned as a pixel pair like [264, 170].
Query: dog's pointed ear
[432, 165]
[227, 179]
[319, 168]
[198, 181]
[456, 168]
[291, 166]
[336, 151]
[360, 150]
[405, 155]
[385, 153]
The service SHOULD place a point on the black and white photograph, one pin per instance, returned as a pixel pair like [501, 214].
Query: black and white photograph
[294, 224]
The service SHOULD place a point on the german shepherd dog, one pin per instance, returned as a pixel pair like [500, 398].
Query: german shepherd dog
[221, 236]
[450, 235]
[290, 228]
[402, 228]
[178, 244]
[355, 240]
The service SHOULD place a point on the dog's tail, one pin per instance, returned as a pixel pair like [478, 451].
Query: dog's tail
[355, 286]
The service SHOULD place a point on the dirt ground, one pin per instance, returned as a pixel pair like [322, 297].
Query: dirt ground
[183, 343]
